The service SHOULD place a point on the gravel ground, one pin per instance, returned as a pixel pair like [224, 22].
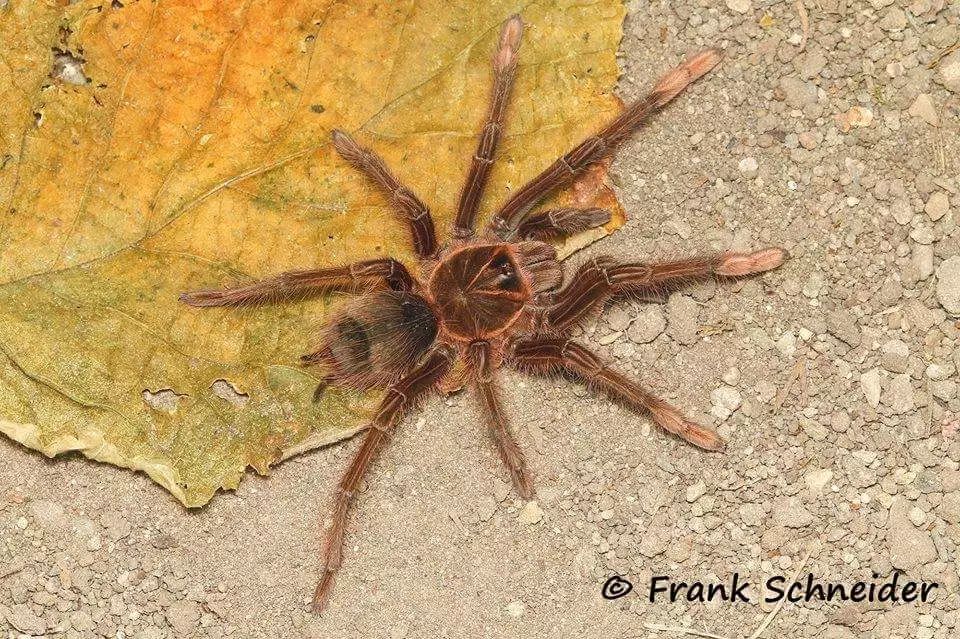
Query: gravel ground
[834, 380]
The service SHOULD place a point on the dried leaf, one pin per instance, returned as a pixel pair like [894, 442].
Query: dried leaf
[154, 147]
[767, 20]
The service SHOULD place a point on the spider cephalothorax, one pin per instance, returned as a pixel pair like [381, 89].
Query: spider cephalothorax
[484, 301]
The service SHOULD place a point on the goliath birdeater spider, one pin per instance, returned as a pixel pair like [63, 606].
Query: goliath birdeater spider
[485, 300]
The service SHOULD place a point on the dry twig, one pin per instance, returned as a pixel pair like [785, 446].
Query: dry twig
[799, 370]
[940, 56]
[776, 609]
[683, 631]
[756, 633]
[804, 24]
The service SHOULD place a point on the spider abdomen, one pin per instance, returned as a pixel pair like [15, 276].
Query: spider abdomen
[375, 339]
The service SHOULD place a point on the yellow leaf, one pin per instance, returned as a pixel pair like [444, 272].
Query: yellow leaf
[150, 148]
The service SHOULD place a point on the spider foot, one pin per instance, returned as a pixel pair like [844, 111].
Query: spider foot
[693, 68]
[204, 298]
[523, 481]
[672, 420]
[740, 264]
[321, 596]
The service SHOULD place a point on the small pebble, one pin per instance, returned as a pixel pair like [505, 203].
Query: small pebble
[739, 6]
[948, 72]
[732, 376]
[858, 117]
[899, 394]
[816, 480]
[923, 108]
[870, 383]
[696, 491]
[748, 167]
[530, 513]
[648, 325]
[937, 206]
[725, 400]
[948, 285]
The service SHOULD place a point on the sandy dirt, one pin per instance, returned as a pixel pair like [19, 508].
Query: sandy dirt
[833, 379]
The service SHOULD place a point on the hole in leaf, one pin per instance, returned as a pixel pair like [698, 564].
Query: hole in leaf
[229, 393]
[68, 68]
[164, 400]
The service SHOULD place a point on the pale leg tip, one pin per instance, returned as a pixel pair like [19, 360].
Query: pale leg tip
[702, 62]
[770, 258]
[704, 438]
[741, 264]
[718, 445]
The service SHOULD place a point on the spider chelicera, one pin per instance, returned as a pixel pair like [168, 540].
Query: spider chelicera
[485, 300]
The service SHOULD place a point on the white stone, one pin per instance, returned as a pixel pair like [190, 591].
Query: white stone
[948, 72]
[948, 285]
[749, 166]
[937, 206]
[739, 6]
[732, 376]
[937, 371]
[814, 285]
[922, 258]
[531, 513]
[917, 516]
[648, 325]
[725, 400]
[870, 383]
[787, 344]
[816, 480]
[902, 211]
[923, 108]
[696, 491]
[899, 394]
[922, 234]
[752, 514]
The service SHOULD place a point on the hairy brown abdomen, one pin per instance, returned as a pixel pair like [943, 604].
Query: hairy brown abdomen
[375, 339]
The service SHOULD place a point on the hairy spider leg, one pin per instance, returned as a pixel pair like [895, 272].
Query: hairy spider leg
[298, 285]
[557, 224]
[485, 385]
[603, 277]
[563, 171]
[504, 69]
[549, 354]
[399, 399]
[404, 201]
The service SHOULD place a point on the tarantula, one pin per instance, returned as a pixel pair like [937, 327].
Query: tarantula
[486, 300]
